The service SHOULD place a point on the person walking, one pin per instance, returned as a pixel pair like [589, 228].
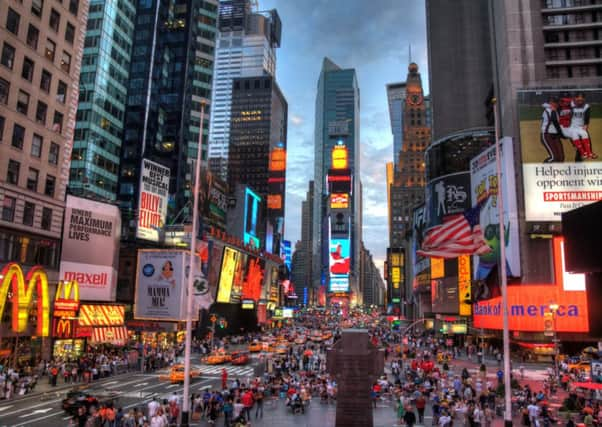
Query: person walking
[409, 417]
[420, 406]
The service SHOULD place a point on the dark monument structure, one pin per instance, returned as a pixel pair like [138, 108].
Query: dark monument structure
[355, 363]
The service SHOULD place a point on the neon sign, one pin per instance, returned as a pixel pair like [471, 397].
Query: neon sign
[22, 290]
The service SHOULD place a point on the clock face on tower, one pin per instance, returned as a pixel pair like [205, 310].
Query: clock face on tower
[415, 99]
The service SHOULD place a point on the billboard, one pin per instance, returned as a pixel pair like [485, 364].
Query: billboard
[339, 256]
[90, 248]
[252, 203]
[446, 195]
[287, 254]
[560, 144]
[464, 286]
[251, 288]
[528, 304]
[239, 277]
[152, 201]
[444, 295]
[419, 263]
[23, 288]
[484, 190]
[160, 285]
[339, 201]
[226, 278]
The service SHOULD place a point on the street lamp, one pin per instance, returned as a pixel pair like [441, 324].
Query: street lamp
[553, 309]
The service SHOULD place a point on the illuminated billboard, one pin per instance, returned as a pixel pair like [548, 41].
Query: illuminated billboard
[339, 265]
[339, 157]
[152, 202]
[444, 295]
[528, 304]
[251, 288]
[277, 159]
[226, 278]
[252, 203]
[339, 201]
[560, 133]
[464, 286]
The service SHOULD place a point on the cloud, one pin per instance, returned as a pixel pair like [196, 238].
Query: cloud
[296, 120]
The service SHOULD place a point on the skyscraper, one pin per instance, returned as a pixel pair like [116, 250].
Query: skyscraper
[246, 47]
[396, 93]
[170, 77]
[336, 129]
[102, 100]
[41, 50]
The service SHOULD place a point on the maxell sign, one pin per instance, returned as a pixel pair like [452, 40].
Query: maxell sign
[90, 250]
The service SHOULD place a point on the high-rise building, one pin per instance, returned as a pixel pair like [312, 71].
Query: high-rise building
[41, 50]
[337, 152]
[396, 94]
[460, 77]
[170, 78]
[246, 47]
[257, 158]
[102, 99]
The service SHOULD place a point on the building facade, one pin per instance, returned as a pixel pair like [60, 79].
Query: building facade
[336, 124]
[170, 78]
[41, 50]
[102, 100]
[246, 47]
[396, 94]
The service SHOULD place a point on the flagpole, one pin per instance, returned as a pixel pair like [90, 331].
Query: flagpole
[189, 287]
[502, 274]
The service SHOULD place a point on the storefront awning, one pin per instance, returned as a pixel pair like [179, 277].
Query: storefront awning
[116, 335]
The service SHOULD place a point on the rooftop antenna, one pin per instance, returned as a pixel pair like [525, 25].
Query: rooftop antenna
[409, 53]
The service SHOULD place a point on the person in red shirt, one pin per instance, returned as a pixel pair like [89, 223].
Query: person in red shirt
[247, 401]
[224, 378]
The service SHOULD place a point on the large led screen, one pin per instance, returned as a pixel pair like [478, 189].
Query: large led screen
[229, 263]
[252, 202]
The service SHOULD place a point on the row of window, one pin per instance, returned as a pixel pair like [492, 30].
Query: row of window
[33, 177]
[8, 213]
[29, 250]
[37, 142]
[12, 24]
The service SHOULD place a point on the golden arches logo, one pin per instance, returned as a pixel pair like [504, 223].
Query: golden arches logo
[63, 328]
[22, 296]
[67, 290]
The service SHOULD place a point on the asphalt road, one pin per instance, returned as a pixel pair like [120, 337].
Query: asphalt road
[133, 390]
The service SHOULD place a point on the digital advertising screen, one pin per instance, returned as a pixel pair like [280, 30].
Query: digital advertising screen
[239, 278]
[339, 201]
[339, 256]
[226, 278]
[561, 146]
[251, 288]
[444, 295]
[252, 203]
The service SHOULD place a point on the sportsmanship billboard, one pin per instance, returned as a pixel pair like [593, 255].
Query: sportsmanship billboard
[90, 248]
[152, 202]
[484, 190]
[561, 141]
[160, 285]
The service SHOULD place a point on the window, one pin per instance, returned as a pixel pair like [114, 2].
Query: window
[4, 89]
[27, 71]
[2, 122]
[46, 218]
[8, 56]
[73, 6]
[55, 20]
[33, 34]
[36, 145]
[32, 179]
[50, 49]
[41, 112]
[29, 212]
[12, 175]
[53, 153]
[57, 122]
[8, 208]
[45, 81]
[61, 92]
[18, 136]
[66, 62]
[12, 21]
[50, 185]
[23, 102]
[69, 33]
[36, 7]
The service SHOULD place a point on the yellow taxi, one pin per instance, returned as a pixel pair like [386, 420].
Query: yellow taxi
[281, 349]
[578, 366]
[176, 374]
[218, 358]
[255, 347]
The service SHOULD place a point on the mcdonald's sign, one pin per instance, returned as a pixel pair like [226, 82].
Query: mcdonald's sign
[62, 328]
[22, 288]
[66, 299]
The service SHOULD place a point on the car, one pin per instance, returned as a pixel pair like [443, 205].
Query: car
[281, 349]
[581, 365]
[255, 347]
[176, 374]
[217, 358]
[240, 358]
[77, 398]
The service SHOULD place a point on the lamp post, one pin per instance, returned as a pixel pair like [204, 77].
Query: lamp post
[189, 287]
[553, 309]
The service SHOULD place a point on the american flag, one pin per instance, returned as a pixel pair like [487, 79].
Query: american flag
[459, 234]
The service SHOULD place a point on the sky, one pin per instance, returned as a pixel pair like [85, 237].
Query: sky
[374, 38]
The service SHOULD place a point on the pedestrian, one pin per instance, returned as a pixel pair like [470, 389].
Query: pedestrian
[228, 409]
[258, 397]
[224, 378]
[247, 401]
[420, 406]
[159, 419]
[409, 417]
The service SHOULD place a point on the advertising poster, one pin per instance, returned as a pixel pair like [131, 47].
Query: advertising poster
[484, 190]
[152, 203]
[561, 145]
[286, 254]
[226, 278]
[446, 195]
[339, 265]
[160, 285]
[252, 285]
[215, 265]
[444, 295]
[214, 200]
[201, 290]
[252, 203]
[339, 201]
[464, 286]
[239, 278]
[419, 263]
[90, 248]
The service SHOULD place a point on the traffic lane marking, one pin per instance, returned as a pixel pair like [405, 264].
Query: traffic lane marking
[28, 422]
[37, 411]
